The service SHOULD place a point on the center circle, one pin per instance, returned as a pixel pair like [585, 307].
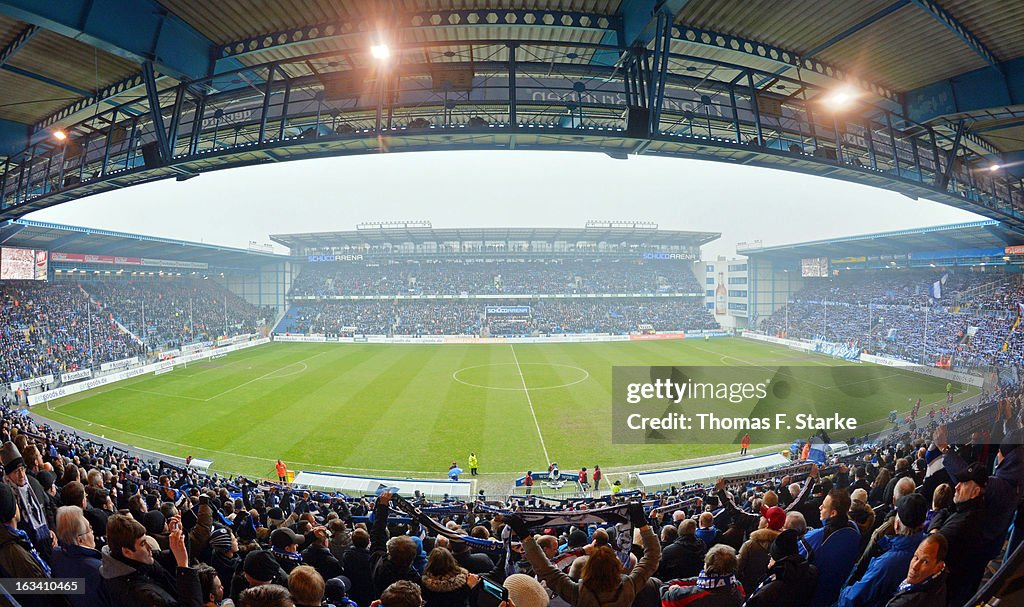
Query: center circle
[515, 382]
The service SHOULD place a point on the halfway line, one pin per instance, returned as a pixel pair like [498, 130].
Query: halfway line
[529, 401]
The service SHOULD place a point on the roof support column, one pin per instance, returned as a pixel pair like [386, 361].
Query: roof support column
[153, 97]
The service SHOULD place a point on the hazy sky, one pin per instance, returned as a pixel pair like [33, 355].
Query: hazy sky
[503, 188]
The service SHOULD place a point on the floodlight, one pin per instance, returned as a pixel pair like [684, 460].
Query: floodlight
[841, 98]
[380, 51]
[994, 168]
[60, 135]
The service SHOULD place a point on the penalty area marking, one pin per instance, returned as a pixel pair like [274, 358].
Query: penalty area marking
[586, 376]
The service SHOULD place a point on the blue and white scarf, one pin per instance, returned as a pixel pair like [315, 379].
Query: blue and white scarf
[707, 581]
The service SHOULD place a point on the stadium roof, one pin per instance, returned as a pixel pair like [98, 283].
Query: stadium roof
[937, 87]
[23, 233]
[399, 235]
[972, 235]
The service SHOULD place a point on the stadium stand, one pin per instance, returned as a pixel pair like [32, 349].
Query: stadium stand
[53, 328]
[893, 314]
[248, 531]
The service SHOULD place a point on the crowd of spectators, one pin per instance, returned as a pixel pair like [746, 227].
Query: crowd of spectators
[59, 327]
[895, 313]
[909, 521]
[172, 312]
[50, 328]
[460, 317]
[527, 278]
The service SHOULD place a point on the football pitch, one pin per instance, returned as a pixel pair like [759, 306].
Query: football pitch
[410, 410]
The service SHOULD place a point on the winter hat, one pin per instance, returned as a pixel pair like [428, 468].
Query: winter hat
[11, 457]
[261, 565]
[275, 514]
[283, 537]
[525, 591]
[336, 588]
[976, 472]
[154, 522]
[8, 503]
[912, 510]
[775, 516]
[785, 544]
[220, 539]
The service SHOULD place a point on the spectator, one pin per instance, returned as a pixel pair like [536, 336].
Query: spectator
[834, 547]
[445, 583]
[131, 577]
[925, 584]
[715, 586]
[77, 556]
[791, 580]
[684, 557]
[885, 569]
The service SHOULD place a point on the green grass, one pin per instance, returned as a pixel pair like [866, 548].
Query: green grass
[410, 409]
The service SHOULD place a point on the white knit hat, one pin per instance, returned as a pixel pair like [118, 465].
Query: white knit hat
[525, 591]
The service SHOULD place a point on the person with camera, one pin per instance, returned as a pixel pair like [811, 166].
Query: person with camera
[319, 556]
[603, 582]
[133, 578]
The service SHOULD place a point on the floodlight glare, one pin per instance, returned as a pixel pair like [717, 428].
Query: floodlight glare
[994, 168]
[841, 98]
[60, 135]
[380, 51]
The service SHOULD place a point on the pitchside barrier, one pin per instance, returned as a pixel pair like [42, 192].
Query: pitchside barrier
[693, 474]
[470, 339]
[808, 346]
[367, 485]
[42, 397]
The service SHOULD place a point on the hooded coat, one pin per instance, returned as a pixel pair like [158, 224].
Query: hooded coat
[754, 557]
[449, 590]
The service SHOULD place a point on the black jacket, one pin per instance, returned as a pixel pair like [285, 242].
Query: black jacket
[931, 592]
[321, 559]
[683, 558]
[356, 563]
[149, 586]
[385, 572]
[791, 582]
[962, 525]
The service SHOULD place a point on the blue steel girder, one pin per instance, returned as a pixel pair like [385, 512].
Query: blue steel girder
[118, 88]
[969, 93]
[23, 38]
[138, 30]
[44, 79]
[427, 19]
[941, 15]
[13, 137]
[155, 112]
[637, 20]
[721, 150]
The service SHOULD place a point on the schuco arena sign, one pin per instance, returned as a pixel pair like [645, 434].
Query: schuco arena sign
[676, 256]
[329, 258]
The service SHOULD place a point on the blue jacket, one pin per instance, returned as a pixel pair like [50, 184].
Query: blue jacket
[884, 574]
[709, 536]
[81, 562]
[834, 557]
